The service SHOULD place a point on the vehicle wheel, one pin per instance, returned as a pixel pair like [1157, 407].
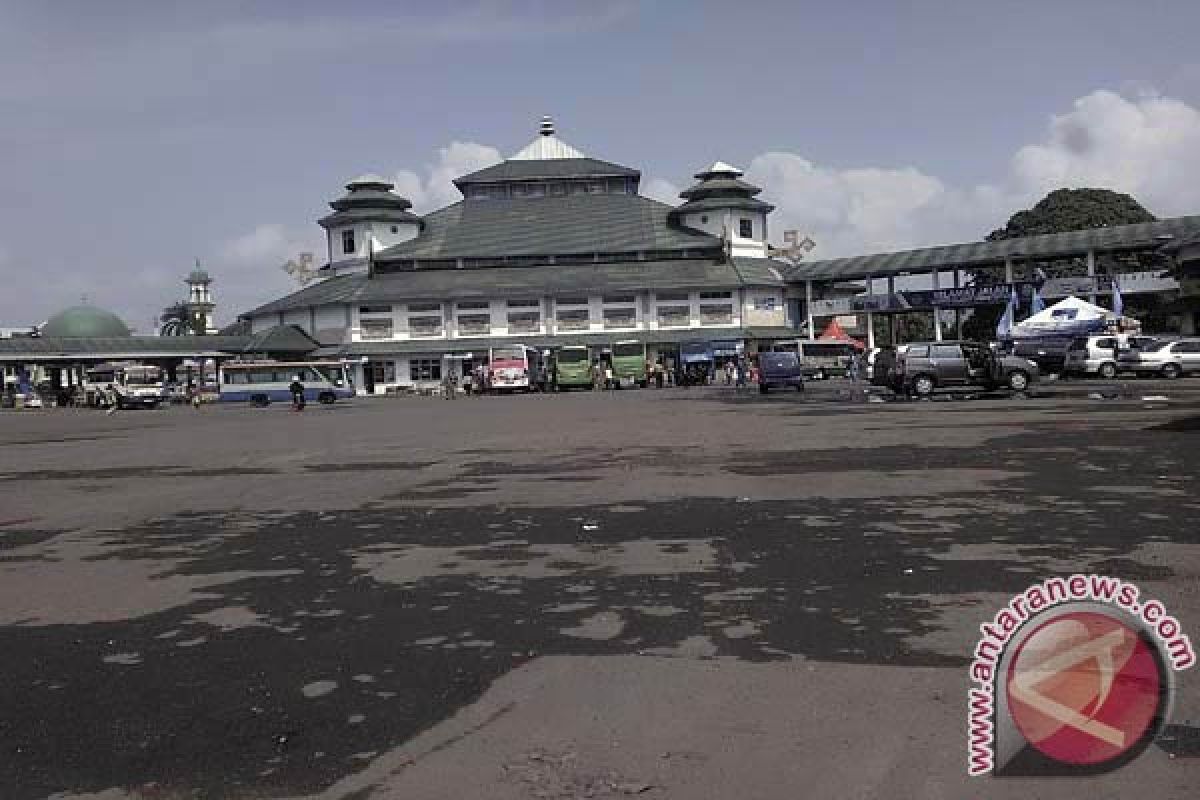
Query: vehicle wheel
[1171, 371]
[326, 398]
[1018, 381]
[259, 400]
[762, 388]
[1108, 370]
[923, 385]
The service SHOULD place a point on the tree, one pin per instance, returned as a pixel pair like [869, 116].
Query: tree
[177, 320]
[1073, 210]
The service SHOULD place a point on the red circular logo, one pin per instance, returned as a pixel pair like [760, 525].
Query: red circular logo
[1085, 688]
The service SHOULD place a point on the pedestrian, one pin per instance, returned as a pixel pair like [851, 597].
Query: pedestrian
[608, 375]
[449, 385]
[112, 398]
[597, 376]
[659, 374]
[739, 372]
[852, 368]
[297, 390]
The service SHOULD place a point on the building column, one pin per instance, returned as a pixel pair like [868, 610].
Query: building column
[958, 317]
[937, 312]
[870, 329]
[808, 309]
[1008, 270]
[1091, 271]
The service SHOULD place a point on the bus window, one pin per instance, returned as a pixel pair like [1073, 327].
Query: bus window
[625, 349]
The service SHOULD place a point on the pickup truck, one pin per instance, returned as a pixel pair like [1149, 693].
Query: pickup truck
[926, 366]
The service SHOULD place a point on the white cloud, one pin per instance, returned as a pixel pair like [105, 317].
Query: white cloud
[661, 190]
[438, 190]
[1148, 146]
[248, 269]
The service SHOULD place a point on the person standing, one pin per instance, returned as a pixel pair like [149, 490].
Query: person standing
[608, 375]
[297, 390]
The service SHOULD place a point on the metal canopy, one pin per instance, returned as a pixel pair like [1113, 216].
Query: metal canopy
[1142, 236]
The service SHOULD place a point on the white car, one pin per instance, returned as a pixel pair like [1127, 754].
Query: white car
[1170, 359]
[1102, 354]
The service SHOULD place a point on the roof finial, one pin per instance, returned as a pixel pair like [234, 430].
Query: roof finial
[547, 126]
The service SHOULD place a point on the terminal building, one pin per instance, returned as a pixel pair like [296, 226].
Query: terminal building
[547, 248]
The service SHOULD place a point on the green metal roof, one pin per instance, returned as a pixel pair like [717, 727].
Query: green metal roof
[561, 279]
[606, 223]
[1144, 235]
[84, 321]
[281, 339]
[49, 348]
[546, 169]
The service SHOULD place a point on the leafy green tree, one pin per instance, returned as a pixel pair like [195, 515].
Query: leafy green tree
[1073, 210]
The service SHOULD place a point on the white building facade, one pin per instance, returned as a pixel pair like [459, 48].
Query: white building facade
[547, 248]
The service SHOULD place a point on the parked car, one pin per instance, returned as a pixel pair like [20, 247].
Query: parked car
[779, 369]
[1099, 355]
[1170, 359]
[925, 366]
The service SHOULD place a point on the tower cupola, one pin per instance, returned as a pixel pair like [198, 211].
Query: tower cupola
[370, 217]
[723, 204]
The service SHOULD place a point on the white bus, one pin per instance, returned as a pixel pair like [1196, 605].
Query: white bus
[819, 358]
[263, 382]
[514, 366]
[127, 385]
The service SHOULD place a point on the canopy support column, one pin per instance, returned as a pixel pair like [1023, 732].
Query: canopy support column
[808, 309]
[1091, 271]
[937, 312]
[958, 317]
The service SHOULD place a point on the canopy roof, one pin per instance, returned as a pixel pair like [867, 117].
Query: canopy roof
[1142, 236]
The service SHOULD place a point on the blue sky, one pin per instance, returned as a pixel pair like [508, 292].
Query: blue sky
[138, 136]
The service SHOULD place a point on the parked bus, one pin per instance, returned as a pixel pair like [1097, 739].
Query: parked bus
[574, 367]
[514, 366]
[263, 382]
[629, 362]
[820, 359]
[128, 385]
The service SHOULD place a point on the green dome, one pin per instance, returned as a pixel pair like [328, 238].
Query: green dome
[84, 321]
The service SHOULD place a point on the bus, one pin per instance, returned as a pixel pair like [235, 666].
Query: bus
[820, 359]
[263, 382]
[514, 366]
[574, 367]
[128, 385]
[629, 363]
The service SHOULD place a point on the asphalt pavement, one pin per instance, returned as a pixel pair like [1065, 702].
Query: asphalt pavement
[686, 593]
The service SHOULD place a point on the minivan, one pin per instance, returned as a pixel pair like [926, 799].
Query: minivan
[779, 369]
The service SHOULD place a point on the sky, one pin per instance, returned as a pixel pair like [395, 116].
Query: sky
[137, 137]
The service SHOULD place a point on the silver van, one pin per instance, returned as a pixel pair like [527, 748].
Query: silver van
[1100, 355]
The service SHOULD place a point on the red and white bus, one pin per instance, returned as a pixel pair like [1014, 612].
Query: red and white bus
[514, 366]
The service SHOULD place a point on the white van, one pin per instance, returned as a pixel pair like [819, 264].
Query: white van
[1097, 355]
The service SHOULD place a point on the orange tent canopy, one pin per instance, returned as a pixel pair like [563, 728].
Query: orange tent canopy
[835, 333]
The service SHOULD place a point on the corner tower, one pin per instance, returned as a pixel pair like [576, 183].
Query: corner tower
[724, 205]
[367, 219]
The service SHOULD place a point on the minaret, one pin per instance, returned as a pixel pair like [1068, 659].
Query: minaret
[199, 302]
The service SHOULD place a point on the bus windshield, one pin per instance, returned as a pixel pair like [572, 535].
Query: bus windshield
[622, 349]
[572, 355]
[508, 354]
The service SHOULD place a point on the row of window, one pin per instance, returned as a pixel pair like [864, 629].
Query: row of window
[551, 189]
[670, 316]
[608, 299]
